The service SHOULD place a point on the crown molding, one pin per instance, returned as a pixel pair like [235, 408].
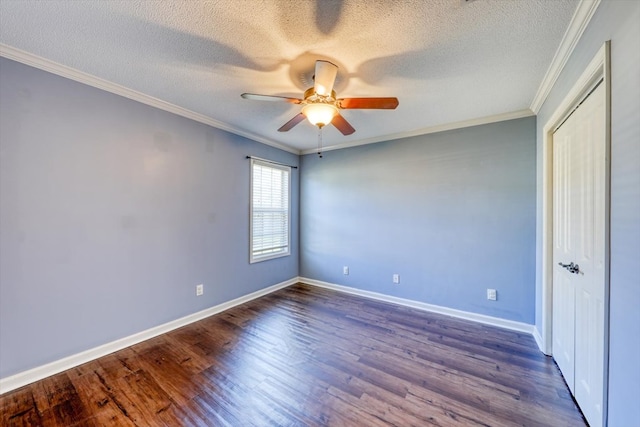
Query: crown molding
[581, 18]
[432, 129]
[53, 67]
[44, 64]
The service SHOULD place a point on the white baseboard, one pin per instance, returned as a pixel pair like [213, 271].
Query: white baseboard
[539, 340]
[480, 318]
[27, 377]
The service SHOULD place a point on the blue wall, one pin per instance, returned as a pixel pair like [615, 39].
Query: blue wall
[618, 21]
[453, 213]
[111, 212]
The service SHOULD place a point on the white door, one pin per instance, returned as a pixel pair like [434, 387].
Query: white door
[564, 175]
[579, 180]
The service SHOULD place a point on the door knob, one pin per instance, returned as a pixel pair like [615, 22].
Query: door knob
[571, 267]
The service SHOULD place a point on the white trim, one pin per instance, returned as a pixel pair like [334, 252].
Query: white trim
[581, 18]
[97, 82]
[598, 68]
[286, 168]
[538, 338]
[466, 315]
[431, 129]
[47, 65]
[26, 377]
[594, 71]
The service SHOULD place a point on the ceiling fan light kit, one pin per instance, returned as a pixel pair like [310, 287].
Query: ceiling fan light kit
[321, 106]
[319, 114]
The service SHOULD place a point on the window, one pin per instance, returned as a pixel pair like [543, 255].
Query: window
[269, 228]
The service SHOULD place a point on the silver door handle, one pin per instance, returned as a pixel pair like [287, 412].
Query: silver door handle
[571, 267]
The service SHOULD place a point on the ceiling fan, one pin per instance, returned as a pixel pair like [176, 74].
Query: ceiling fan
[321, 106]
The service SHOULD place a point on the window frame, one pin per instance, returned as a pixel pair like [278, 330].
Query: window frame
[269, 164]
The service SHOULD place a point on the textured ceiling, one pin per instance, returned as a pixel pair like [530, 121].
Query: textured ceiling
[446, 60]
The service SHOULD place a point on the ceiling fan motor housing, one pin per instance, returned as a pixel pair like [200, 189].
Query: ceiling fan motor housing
[310, 96]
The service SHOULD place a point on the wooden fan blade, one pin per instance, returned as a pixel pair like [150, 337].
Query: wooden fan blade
[291, 123]
[371, 103]
[257, 97]
[325, 77]
[342, 125]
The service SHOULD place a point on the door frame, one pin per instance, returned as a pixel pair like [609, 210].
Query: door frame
[599, 68]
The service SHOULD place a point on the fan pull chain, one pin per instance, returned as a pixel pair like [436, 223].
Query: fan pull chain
[320, 141]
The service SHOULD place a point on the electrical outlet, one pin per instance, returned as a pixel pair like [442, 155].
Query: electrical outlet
[492, 294]
[345, 270]
[199, 290]
[396, 278]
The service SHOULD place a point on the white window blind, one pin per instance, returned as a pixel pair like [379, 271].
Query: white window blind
[269, 210]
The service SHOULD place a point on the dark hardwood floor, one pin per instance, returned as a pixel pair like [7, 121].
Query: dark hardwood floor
[305, 356]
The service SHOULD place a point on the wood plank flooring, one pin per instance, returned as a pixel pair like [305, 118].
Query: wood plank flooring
[305, 356]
